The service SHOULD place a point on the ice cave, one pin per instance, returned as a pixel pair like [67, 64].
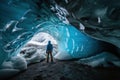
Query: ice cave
[87, 31]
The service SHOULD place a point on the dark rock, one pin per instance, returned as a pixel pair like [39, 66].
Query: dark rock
[64, 78]
[39, 77]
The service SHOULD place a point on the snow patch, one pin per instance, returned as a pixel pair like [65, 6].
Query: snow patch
[19, 63]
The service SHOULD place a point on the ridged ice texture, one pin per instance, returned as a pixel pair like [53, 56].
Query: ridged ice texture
[74, 44]
[21, 19]
[101, 18]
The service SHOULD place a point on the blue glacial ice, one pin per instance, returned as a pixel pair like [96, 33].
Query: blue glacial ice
[24, 22]
[22, 19]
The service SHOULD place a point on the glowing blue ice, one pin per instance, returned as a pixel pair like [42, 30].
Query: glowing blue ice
[21, 24]
[74, 44]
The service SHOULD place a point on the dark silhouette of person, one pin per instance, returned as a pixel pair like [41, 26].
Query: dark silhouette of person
[49, 51]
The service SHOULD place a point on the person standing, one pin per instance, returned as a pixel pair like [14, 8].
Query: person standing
[49, 50]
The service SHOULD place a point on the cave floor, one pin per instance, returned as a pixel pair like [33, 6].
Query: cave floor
[66, 70]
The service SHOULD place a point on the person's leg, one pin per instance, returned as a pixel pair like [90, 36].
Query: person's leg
[51, 56]
[47, 57]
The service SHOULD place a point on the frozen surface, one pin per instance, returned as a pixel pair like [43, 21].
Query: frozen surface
[6, 73]
[42, 39]
[12, 67]
[7, 65]
[103, 59]
[19, 63]
[101, 18]
[26, 18]
[63, 55]
[29, 17]
[74, 44]
[31, 55]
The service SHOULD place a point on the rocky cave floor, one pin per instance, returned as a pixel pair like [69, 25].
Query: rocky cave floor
[66, 70]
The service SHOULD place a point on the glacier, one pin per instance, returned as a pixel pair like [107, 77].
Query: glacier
[101, 18]
[80, 31]
[34, 19]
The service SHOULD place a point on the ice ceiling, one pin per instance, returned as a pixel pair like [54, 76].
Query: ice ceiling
[22, 19]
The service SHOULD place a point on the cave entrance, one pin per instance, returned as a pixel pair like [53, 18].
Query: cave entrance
[35, 49]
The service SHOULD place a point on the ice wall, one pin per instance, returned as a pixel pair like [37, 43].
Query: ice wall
[101, 18]
[20, 25]
[74, 44]
[26, 18]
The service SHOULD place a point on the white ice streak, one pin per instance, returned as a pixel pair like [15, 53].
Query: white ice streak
[82, 27]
